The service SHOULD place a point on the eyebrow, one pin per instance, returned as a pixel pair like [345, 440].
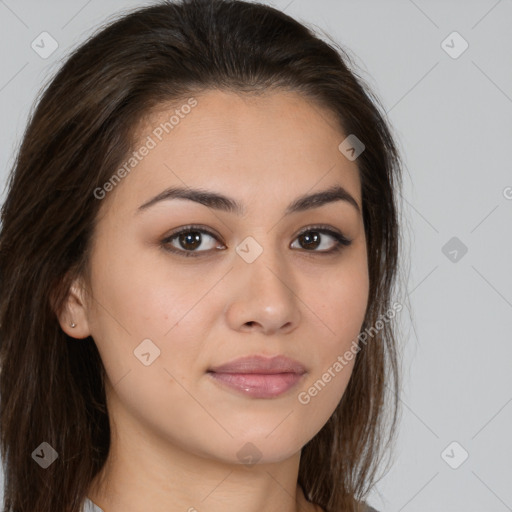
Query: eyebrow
[221, 202]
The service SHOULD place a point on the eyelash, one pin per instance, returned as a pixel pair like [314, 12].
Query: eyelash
[341, 240]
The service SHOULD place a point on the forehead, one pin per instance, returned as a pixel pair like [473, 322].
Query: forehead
[229, 120]
[276, 144]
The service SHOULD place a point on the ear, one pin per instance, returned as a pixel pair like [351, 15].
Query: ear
[75, 311]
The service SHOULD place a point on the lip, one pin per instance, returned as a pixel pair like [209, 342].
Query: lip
[261, 365]
[259, 376]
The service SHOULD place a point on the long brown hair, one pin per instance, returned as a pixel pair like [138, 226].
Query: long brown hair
[52, 386]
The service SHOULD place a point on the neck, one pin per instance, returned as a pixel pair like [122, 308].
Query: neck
[146, 472]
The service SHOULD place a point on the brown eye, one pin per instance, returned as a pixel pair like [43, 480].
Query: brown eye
[310, 239]
[187, 240]
[190, 239]
[313, 237]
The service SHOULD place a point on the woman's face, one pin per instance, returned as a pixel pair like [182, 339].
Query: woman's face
[167, 309]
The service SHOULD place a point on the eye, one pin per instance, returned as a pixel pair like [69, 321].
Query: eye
[189, 238]
[312, 237]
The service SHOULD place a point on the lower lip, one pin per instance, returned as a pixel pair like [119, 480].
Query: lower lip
[258, 385]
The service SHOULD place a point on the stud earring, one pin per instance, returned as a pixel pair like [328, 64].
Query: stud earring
[73, 324]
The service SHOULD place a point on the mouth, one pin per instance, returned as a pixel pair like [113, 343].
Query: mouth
[258, 376]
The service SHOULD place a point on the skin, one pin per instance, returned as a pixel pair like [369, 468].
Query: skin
[175, 431]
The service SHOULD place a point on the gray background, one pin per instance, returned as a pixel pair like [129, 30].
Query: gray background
[453, 121]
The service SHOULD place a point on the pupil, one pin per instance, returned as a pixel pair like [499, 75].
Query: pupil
[192, 237]
[311, 240]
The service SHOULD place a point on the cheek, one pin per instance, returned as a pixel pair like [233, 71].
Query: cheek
[161, 401]
[136, 301]
[342, 304]
[340, 310]
[134, 292]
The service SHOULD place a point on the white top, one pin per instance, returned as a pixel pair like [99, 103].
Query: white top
[89, 506]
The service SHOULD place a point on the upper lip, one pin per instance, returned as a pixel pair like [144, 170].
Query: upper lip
[261, 365]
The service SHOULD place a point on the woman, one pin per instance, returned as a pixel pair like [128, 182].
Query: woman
[198, 250]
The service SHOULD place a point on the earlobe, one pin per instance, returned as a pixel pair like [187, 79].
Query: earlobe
[73, 317]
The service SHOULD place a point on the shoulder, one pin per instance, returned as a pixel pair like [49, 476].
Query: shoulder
[89, 506]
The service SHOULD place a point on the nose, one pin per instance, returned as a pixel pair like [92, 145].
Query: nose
[262, 297]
